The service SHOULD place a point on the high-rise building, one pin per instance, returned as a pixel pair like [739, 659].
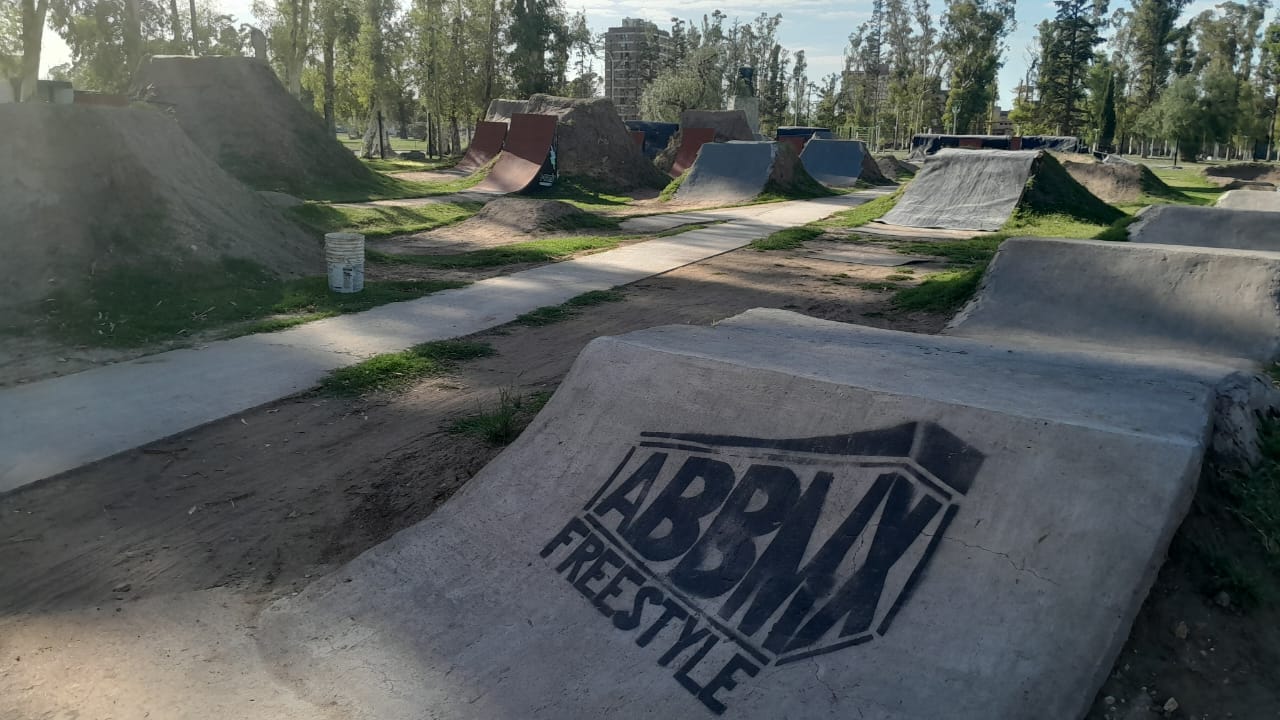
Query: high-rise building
[633, 54]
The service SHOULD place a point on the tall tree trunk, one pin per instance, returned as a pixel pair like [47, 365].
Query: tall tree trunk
[490, 59]
[175, 21]
[330, 86]
[457, 136]
[195, 30]
[132, 36]
[299, 26]
[33, 17]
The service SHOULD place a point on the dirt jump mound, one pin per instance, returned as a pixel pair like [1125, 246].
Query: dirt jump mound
[593, 144]
[981, 189]
[525, 215]
[838, 163]
[733, 172]
[1116, 182]
[501, 110]
[1224, 174]
[238, 113]
[894, 169]
[99, 192]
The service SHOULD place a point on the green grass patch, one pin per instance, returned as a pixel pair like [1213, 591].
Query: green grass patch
[788, 239]
[380, 220]
[669, 192]
[1231, 539]
[1119, 230]
[391, 371]
[552, 314]
[943, 292]
[581, 221]
[975, 251]
[862, 214]
[505, 421]
[127, 307]
[1187, 183]
[534, 251]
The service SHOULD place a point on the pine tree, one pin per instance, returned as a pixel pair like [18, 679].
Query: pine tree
[1107, 115]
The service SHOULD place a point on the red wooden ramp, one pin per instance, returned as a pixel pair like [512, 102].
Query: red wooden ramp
[638, 137]
[485, 146]
[528, 144]
[691, 141]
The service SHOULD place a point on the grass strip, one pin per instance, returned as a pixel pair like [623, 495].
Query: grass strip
[552, 314]
[391, 371]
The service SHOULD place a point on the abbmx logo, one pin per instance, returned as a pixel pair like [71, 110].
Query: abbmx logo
[737, 553]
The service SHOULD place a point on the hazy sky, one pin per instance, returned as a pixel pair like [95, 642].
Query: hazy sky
[820, 27]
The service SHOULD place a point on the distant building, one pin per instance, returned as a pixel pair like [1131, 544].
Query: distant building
[633, 55]
[1000, 122]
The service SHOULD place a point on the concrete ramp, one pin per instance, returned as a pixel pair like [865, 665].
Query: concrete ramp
[1188, 301]
[837, 163]
[691, 141]
[1207, 227]
[776, 517]
[528, 144]
[485, 145]
[965, 190]
[1256, 200]
[728, 172]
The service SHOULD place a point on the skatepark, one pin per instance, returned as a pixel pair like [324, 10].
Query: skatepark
[738, 427]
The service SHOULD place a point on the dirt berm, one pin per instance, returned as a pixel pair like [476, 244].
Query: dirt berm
[1224, 174]
[238, 113]
[728, 124]
[1115, 183]
[98, 190]
[593, 144]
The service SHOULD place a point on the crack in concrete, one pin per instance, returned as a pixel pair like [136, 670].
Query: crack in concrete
[1015, 566]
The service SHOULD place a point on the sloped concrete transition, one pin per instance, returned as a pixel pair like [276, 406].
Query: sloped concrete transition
[780, 517]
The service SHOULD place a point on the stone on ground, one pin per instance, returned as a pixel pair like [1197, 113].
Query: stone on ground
[777, 517]
[1151, 299]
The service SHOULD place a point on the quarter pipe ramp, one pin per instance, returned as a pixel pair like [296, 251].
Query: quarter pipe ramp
[529, 142]
[728, 172]
[965, 190]
[837, 163]
[926, 527]
[691, 141]
[485, 146]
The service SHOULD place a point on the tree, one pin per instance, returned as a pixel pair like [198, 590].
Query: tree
[373, 74]
[1064, 66]
[799, 90]
[1177, 115]
[692, 84]
[34, 13]
[289, 30]
[1107, 115]
[538, 37]
[1152, 30]
[973, 33]
[337, 21]
[1269, 75]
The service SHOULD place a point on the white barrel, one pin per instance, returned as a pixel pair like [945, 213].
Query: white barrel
[344, 255]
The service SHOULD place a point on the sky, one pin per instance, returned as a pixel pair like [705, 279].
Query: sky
[819, 27]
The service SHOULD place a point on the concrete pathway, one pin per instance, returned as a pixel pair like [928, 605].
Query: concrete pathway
[56, 425]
